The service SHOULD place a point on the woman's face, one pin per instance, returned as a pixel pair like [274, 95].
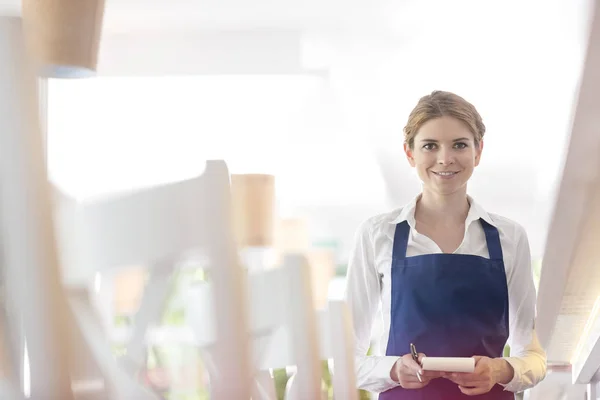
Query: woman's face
[444, 154]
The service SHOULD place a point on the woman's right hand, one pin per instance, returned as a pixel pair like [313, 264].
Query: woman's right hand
[405, 372]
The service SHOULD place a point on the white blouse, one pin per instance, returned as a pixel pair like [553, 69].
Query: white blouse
[368, 291]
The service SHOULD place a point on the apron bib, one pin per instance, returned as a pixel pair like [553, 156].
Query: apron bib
[448, 305]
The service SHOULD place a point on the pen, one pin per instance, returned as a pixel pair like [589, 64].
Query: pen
[415, 356]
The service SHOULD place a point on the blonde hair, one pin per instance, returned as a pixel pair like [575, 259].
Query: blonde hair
[439, 104]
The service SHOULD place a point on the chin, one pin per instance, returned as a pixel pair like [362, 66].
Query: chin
[446, 190]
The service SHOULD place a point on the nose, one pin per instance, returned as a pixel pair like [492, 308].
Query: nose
[445, 157]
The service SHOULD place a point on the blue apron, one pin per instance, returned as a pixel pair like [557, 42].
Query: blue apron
[448, 305]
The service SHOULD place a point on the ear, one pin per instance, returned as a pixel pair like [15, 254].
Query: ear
[479, 150]
[409, 155]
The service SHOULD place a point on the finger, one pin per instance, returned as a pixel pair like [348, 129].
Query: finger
[459, 378]
[473, 391]
[410, 377]
[467, 376]
[470, 383]
[427, 379]
[414, 385]
[410, 366]
[433, 374]
[412, 380]
[482, 365]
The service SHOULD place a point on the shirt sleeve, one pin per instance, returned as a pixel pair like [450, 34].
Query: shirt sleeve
[527, 357]
[363, 294]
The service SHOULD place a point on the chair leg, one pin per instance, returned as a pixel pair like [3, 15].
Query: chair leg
[264, 386]
[151, 309]
[120, 384]
[11, 356]
[87, 379]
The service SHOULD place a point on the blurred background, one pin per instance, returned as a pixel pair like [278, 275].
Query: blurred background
[315, 94]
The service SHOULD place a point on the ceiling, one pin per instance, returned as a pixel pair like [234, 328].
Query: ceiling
[388, 16]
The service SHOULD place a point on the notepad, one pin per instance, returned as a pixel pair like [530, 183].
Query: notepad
[448, 364]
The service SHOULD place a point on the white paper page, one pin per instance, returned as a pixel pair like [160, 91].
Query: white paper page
[448, 364]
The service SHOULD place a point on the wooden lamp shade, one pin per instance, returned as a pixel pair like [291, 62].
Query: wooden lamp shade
[63, 36]
[129, 289]
[293, 236]
[322, 270]
[253, 200]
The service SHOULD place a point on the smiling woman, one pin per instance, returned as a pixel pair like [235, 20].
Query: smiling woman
[452, 279]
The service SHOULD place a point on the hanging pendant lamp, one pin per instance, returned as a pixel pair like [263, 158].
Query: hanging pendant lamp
[63, 36]
[253, 198]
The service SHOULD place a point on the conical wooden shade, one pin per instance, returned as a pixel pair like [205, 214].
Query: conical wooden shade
[63, 36]
[129, 289]
[322, 270]
[253, 198]
[293, 236]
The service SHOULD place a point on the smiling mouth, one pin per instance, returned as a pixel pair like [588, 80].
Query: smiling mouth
[445, 174]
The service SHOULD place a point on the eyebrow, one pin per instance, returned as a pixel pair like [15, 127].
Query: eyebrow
[435, 141]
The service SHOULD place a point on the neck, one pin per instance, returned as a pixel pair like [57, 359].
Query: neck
[442, 209]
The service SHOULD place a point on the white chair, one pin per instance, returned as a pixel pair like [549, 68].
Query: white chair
[157, 227]
[287, 331]
[280, 301]
[10, 357]
[33, 297]
[337, 344]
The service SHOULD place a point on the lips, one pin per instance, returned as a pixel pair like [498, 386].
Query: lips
[445, 174]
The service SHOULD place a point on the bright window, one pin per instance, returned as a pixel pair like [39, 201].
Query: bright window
[113, 134]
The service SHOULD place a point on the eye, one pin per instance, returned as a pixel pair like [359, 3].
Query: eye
[460, 145]
[429, 146]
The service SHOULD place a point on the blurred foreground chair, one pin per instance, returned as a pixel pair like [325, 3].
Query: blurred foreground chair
[286, 330]
[157, 227]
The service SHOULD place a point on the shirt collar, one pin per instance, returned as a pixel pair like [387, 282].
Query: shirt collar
[475, 212]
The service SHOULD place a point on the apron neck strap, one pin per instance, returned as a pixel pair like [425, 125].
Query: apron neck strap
[401, 240]
[492, 237]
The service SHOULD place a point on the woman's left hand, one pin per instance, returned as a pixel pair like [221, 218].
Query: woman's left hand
[488, 372]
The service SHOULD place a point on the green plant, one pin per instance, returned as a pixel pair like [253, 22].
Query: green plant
[537, 272]
[281, 378]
